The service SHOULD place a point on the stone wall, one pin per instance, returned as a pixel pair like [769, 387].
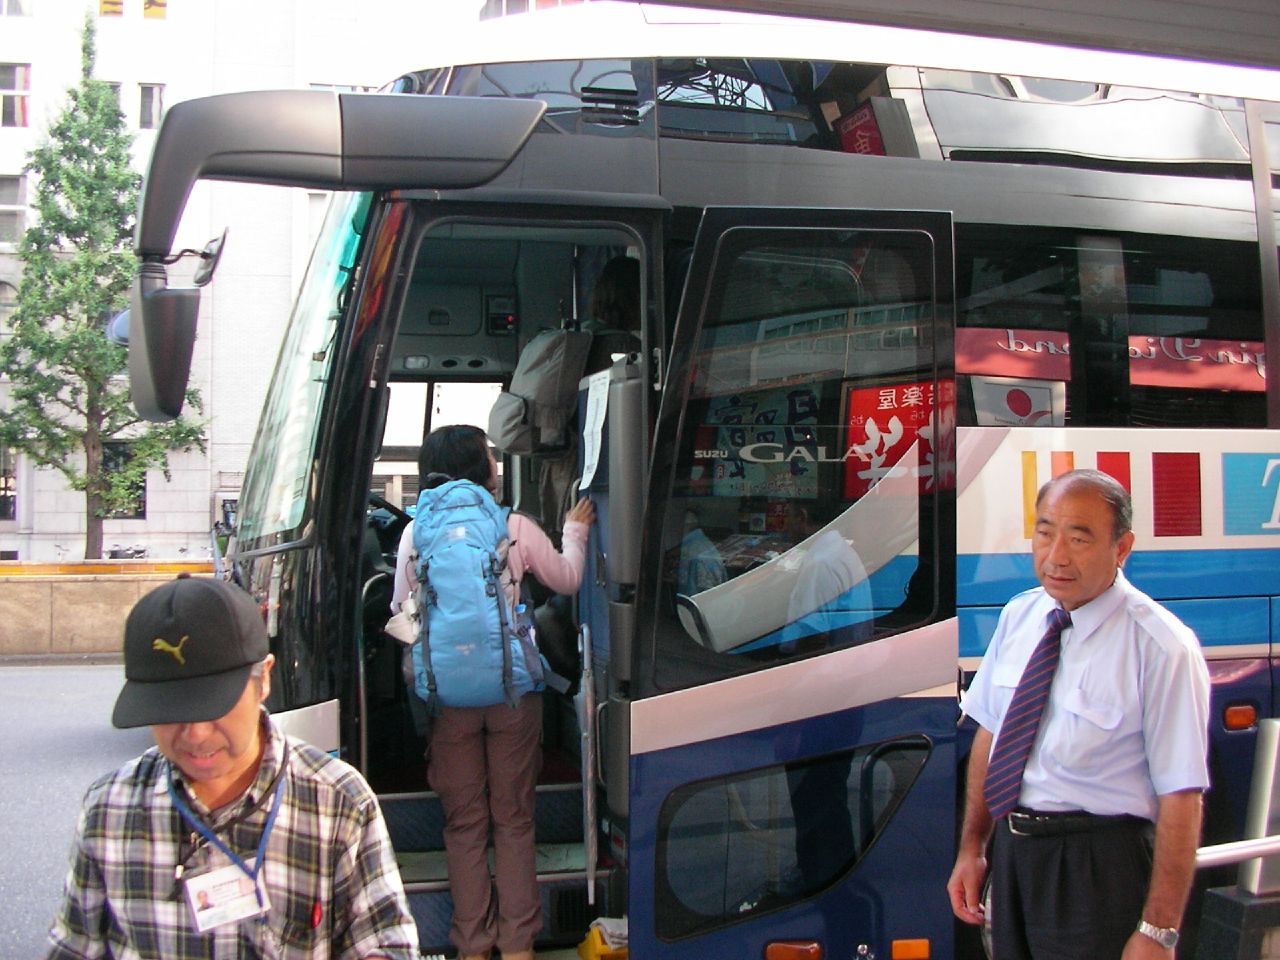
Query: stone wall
[46, 613]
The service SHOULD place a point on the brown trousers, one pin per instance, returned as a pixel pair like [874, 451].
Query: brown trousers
[484, 765]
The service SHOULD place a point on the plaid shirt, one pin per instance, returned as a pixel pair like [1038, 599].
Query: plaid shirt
[330, 872]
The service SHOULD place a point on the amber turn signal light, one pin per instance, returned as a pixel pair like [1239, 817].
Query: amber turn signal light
[909, 950]
[793, 950]
[1240, 716]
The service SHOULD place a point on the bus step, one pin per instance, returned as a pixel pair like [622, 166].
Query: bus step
[426, 870]
[565, 911]
[416, 822]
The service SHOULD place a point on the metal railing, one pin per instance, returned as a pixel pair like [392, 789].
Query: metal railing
[1257, 876]
[1237, 851]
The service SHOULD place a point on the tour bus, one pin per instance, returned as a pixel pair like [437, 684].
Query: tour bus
[891, 281]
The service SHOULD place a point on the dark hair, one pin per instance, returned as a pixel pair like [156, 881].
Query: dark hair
[1107, 487]
[615, 299]
[455, 452]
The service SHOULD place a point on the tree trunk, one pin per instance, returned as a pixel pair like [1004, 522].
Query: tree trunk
[92, 444]
[92, 527]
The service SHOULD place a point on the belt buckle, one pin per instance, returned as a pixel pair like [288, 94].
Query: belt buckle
[1014, 819]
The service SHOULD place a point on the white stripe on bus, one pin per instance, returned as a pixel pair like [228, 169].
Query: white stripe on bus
[913, 663]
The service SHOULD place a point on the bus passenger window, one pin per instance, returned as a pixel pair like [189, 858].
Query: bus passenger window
[1169, 329]
[813, 430]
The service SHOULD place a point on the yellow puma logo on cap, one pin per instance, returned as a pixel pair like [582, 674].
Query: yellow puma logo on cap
[167, 647]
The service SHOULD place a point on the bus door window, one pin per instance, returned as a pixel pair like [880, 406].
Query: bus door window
[808, 445]
[733, 847]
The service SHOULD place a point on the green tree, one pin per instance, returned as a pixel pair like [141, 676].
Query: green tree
[68, 393]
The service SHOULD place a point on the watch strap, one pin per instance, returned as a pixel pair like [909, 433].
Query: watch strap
[1167, 937]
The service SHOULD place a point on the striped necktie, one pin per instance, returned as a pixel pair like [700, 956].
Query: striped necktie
[1018, 732]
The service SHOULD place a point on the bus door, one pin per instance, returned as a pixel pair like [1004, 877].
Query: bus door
[791, 705]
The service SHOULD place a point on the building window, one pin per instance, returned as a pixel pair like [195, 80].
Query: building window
[13, 8]
[116, 457]
[12, 214]
[150, 105]
[8, 302]
[154, 9]
[15, 81]
[111, 8]
[8, 484]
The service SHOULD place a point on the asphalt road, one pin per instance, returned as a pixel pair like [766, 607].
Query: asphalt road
[55, 739]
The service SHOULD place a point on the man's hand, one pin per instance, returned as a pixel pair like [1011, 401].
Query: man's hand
[965, 885]
[1173, 866]
[965, 888]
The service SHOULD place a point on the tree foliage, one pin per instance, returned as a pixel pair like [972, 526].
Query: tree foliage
[68, 393]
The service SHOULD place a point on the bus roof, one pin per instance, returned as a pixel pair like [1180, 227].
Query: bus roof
[606, 29]
[1209, 30]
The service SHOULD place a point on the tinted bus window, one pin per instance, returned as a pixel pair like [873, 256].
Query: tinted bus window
[732, 847]
[806, 449]
[615, 94]
[1169, 330]
[277, 489]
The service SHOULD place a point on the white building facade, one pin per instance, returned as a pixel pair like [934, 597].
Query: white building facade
[159, 53]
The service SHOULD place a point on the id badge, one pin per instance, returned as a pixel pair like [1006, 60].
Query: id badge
[225, 895]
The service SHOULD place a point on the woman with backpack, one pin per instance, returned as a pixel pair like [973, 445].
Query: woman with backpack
[483, 761]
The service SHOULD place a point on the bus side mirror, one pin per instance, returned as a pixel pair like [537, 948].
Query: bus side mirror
[162, 336]
[209, 258]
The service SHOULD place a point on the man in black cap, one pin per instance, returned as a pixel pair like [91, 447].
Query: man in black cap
[228, 838]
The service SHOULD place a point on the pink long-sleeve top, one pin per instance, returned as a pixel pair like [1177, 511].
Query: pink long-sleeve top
[531, 551]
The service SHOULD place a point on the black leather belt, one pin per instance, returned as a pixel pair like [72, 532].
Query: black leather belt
[1041, 823]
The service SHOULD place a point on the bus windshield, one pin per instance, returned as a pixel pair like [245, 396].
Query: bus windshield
[276, 487]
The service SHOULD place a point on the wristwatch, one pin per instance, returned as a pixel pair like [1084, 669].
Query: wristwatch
[1167, 937]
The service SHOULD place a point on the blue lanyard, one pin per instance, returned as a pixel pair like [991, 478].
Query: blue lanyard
[200, 827]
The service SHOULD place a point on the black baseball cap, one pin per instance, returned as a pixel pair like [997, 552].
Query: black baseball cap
[189, 646]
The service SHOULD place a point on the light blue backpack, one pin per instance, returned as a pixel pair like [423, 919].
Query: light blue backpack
[474, 649]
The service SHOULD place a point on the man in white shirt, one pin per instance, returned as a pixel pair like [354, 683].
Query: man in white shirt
[831, 588]
[1096, 856]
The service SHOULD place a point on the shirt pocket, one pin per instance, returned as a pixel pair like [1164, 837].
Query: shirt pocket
[1004, 683]
[292, 936]
[1006, 675]
[1088, 725]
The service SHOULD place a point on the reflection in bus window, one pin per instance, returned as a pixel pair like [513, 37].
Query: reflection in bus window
[760, 101]
[808, 443]
[730, 848]
[1171, 330]
[615, 93]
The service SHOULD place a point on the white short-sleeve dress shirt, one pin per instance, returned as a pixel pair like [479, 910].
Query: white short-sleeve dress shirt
[1128, 714]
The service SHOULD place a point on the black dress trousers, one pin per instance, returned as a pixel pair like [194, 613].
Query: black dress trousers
[1074, 895]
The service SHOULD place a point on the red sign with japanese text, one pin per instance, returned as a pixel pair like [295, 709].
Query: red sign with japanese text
[882, 424]
[860, 133]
